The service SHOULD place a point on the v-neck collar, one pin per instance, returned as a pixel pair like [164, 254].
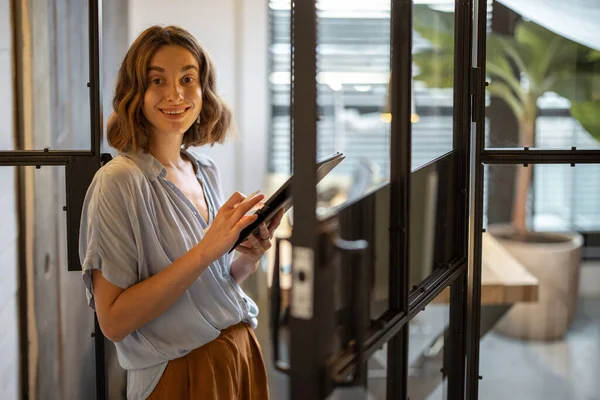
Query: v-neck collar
[153, 169]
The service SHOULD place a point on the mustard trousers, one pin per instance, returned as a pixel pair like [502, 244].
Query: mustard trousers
[230, 367]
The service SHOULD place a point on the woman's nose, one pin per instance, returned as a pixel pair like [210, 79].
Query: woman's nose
[174, 92]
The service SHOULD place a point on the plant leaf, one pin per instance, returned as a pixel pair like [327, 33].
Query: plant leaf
[435, 63]
[500, 68]
[593, 55]
[588, 115]
[435, 70]
[501, 90]
[578, 87]
[500, 47]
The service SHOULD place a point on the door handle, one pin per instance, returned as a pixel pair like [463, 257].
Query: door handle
[356, 250]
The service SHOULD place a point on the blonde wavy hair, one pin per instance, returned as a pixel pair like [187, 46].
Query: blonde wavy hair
[128, 129]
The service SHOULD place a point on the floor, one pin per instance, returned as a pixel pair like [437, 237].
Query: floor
[511, 369]
[568, 369]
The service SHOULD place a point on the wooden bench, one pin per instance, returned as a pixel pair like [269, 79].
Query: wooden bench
[503, 282]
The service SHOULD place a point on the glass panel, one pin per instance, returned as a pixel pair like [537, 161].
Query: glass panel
[53, 67]
[59, 319]
[427, 332]
[353, 68]
[426, 342]
[377, 375]
[433, 79]
[6, 73]
[9, 319]
[432, 220]
[559, 197]
[544, 79]
[540, 310]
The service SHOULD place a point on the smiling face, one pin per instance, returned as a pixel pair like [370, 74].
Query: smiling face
[173, 98]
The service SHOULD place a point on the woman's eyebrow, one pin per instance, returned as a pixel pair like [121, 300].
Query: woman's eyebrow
[162, 70]
[187, 67]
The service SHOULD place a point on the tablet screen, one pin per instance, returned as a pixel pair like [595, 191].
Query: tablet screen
[282, 198]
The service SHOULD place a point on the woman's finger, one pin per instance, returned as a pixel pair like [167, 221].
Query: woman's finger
[246, 244]
[242, 209]
[254, 242]
[245, 221]
[276, 221]
[265, 244]
[234, 200]
[245, 250]
[264, 232]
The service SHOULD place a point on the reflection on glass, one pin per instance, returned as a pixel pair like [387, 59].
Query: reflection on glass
[432, 219]
[431, 233]
[433, 80]
[561, 198]
[538, 324]
[353, 73]
[8, 273]
[377, 374]
[427, 339]
[544, 86]
[53, 67]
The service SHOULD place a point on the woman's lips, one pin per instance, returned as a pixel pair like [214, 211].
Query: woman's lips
[174, 113]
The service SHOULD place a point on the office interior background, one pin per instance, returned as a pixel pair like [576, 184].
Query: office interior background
[545, 342]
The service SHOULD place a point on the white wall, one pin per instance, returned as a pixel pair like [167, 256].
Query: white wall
[9, 343]
[235, 34]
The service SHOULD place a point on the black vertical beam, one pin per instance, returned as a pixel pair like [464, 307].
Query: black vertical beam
[400, 161]
[22, 284]
[101, 381]
[476, 198]
[306, 374]
[454, 361]
[78, 179]
[462, 119]
[95, 82]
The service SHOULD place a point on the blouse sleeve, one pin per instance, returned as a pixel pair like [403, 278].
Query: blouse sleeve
[106, 237]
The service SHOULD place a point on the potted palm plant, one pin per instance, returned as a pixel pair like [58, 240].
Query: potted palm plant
[522, 68]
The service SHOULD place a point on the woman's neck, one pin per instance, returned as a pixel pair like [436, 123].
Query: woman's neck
[167, 150]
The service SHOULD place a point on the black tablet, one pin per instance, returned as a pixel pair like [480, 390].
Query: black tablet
[282, 198]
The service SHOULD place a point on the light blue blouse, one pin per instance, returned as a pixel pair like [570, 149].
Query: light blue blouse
[135, 223]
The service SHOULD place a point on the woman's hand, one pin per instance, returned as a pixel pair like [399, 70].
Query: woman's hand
[253, 248]
[227, 225]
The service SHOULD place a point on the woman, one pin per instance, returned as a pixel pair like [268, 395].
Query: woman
[153, 247]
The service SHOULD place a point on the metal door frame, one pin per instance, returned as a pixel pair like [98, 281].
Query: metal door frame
[80, 167]
[480, 156]
[308, 374]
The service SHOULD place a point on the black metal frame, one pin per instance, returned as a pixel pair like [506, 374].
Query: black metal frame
[457, 329]
[80, 167]
[473, 294]
[307, 372]
[400, 169]
[480, 156]
[306, 320]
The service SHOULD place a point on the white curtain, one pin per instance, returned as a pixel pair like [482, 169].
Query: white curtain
[577, 20]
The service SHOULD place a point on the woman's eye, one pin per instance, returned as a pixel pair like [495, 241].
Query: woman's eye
[156, 81]
[188, 79]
